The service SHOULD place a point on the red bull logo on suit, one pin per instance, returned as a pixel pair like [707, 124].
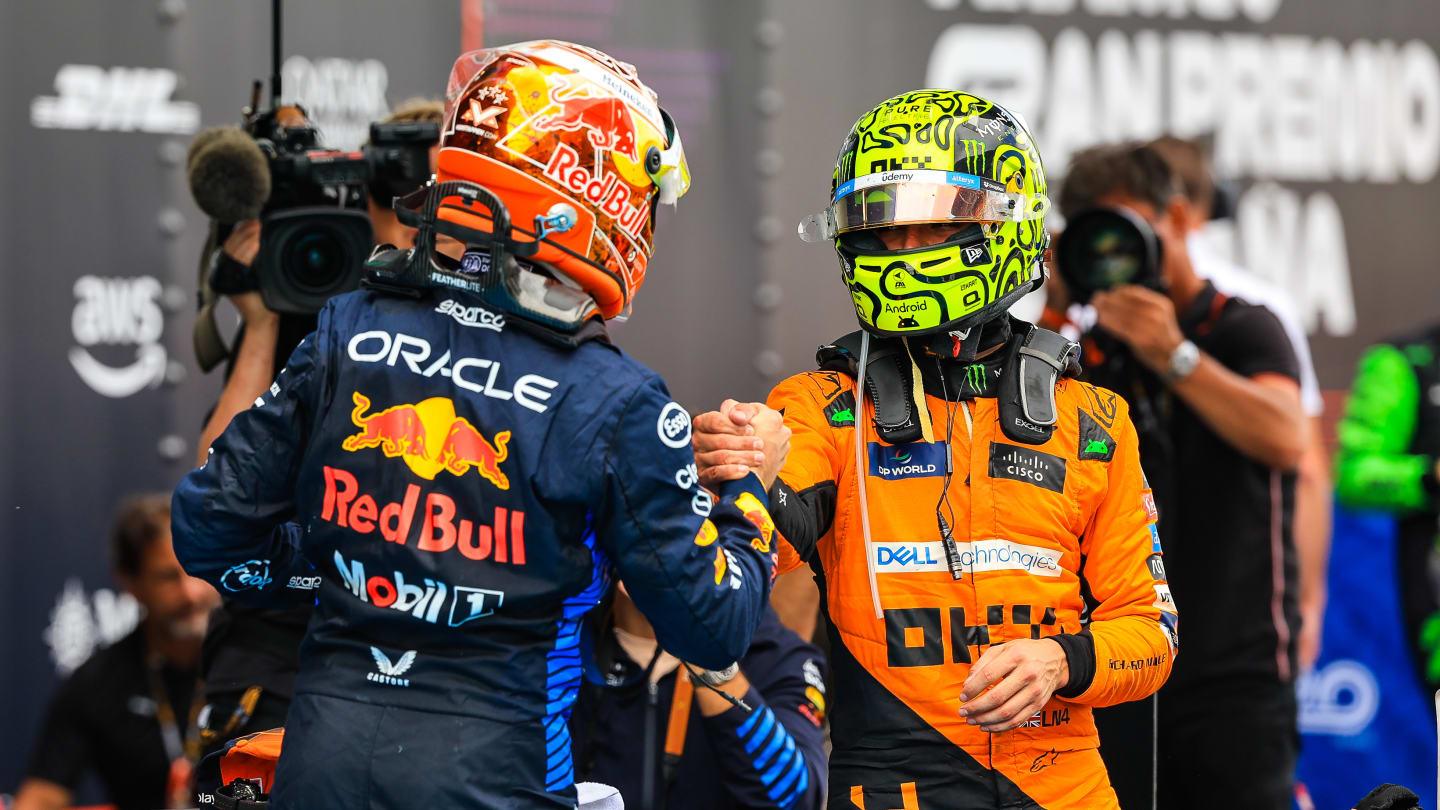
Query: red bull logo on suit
[405, 431]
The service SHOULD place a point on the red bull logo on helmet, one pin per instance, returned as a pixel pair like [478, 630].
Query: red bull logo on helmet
[605, 190]
[606, 120]
[429, 437]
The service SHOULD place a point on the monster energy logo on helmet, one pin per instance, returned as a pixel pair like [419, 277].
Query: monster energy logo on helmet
[947, 158]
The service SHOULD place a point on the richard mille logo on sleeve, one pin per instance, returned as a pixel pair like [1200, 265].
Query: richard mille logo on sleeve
[1030, 466]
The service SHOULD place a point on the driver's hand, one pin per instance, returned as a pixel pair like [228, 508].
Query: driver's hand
[243, 243]
[726, 447]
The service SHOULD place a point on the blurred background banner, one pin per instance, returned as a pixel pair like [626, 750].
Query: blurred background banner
[1364, 718]
[1323, 114]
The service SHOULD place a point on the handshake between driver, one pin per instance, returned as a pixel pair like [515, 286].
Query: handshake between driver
[740, 438]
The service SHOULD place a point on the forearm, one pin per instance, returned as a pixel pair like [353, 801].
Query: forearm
[252, 373]
[1312, 520]
[712, 704]
[1132, 660]
[767, 757]
[1259, 421]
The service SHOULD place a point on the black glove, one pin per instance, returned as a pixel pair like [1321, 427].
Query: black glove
[1389, 797]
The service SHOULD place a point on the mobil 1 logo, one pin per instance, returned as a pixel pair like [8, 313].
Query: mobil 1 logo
[1029, 466]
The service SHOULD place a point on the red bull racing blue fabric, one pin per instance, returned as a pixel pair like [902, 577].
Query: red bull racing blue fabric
[459, 491]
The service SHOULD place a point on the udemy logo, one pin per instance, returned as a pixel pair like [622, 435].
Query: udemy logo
[424, 599]
[1340, 699]
[674, 426]
[118, 312]
[389, 673]
[118, 99]
[914, 460]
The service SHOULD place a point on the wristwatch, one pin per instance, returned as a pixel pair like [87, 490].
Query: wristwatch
[718, 677]
[1182, 361]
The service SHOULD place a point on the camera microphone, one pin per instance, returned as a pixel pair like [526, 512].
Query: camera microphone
[229, 175]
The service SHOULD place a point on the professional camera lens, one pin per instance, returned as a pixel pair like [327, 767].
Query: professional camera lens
[308, 255]
[312, 259]
[1105, 247]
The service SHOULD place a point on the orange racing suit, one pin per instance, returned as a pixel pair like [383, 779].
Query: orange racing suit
[1056, 540]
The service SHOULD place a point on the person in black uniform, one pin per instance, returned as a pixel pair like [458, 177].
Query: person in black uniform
[1213, 386]
[128, 714]
[648, 729]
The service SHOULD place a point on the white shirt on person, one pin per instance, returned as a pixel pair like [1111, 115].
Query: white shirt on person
[1237, 282]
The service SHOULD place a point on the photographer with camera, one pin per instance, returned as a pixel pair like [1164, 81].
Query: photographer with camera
[1312, 485]
[1212, 383]
[444, 655]
[250, 653]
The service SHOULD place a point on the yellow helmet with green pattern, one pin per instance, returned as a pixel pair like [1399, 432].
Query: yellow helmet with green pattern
[926, 157]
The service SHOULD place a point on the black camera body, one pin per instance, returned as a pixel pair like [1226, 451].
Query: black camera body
[1102, 248]
[315, 234]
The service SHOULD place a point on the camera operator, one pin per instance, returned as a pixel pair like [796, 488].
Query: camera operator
[250, 661]
[1312, 487]
[1213, 383]
[387, 227]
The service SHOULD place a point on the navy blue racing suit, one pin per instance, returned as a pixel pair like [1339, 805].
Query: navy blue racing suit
[463, 486]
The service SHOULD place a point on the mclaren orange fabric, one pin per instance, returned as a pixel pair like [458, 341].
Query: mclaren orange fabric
[253, 757]
[1037, 526]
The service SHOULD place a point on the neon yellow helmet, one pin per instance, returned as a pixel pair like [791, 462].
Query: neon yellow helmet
[936, 156]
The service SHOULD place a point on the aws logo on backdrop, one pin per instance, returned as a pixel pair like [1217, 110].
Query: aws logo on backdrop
[118, 312]
[913, 460]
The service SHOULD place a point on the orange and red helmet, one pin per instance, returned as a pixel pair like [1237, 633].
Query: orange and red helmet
[557, 131]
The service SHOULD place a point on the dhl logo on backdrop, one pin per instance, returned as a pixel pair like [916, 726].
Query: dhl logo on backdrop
[429, 437]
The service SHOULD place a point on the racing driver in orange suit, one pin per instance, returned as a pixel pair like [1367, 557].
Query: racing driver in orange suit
[977, 520]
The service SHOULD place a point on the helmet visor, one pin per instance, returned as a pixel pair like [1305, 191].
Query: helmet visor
[917, 197]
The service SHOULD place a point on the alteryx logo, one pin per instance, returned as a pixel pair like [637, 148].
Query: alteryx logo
[914, 460]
